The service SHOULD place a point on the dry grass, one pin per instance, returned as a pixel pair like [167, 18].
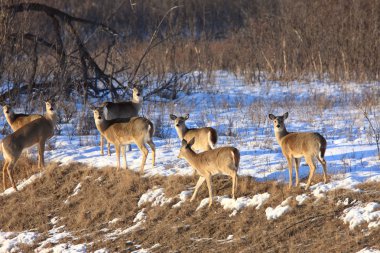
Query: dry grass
[107, 194]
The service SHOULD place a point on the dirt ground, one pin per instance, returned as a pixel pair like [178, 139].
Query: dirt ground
[107, 194]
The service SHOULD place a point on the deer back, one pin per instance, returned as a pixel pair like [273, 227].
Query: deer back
[32, 133]
[21, 120]
[121, 110]
[217, 161]
[301, 144]
[135, 130]
[201, 137]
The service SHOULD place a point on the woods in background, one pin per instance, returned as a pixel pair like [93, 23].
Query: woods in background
[97, 47]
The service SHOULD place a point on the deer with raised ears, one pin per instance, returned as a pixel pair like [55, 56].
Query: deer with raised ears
[295, 145]
[122, 110]
[205, 137]
[224, 160]
[35, 132]
[17, 120]
[121, 132]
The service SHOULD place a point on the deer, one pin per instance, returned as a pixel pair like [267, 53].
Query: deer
[36, 132]
[119, 132]
[295, 145]
[205, 138]
[17, 120]
[223, 160]
[121, 110]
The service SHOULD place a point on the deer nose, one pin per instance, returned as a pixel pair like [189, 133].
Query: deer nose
[138, 94]
[7, 112]
[278, 126]
[99, 117]
[177, 125]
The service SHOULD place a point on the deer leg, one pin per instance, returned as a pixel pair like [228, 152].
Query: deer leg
[41, 150]
[145, 151]
[117, 147]
[153, 147]
[199, 183]
[297, 165]
[290, 167]
[234, 183]
[209, 186]
[101, 145]
[9, 170]
[310, 162]
[4, 169]
[324, 166]
[108, 148]
[124, 157]
[129, 147]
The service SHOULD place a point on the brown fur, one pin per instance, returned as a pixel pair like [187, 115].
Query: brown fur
[121, 110]
[297, 145]
[36, 132]
[136, 130]
[205, 137]
[18, 120]
[224, 160]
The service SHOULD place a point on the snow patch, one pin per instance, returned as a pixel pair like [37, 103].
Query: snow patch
[155, 196]
[21, 185]
[239, 203]
[301, 199]
[140, 216]
[9, 241]
[278, 211]
[362, 213]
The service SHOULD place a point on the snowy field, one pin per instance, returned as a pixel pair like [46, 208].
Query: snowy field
[238, 111]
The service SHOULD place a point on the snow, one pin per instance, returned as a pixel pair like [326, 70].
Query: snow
[278, 211]
[183, 196]
[362, 213]
[369, 250]
[21, 185]
[302, 198]
[75, 192]
[9, 241]
[140, 216]
[238, 111]
[239, 203]
[155, 196]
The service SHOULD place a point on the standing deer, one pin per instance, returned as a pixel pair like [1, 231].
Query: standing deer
[224, 160]
[17, 120]
[122, 110]
[205, 138]
[296, 145]
[35, 132]
[120, 132]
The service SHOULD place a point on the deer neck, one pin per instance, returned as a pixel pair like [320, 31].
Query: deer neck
[137, 103]
[102, 125]
[280, 134]
[191, 158]
[52, 118]
[10, 117]
[181, 131]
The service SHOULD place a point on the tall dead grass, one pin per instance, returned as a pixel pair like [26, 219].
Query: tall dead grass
[106, 194]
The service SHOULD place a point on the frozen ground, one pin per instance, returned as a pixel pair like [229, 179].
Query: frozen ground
[239, 113]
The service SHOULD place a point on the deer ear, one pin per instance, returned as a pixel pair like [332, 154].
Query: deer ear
[191, 142]
[172, 116]
[286, 115]
[186, 116]
[271, 116]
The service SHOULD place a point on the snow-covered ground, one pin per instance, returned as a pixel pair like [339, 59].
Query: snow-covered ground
[238, 111]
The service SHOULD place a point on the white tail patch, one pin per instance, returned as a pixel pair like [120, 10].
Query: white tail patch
[210, 141]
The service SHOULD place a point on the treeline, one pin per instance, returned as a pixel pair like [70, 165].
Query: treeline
[140, 42]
